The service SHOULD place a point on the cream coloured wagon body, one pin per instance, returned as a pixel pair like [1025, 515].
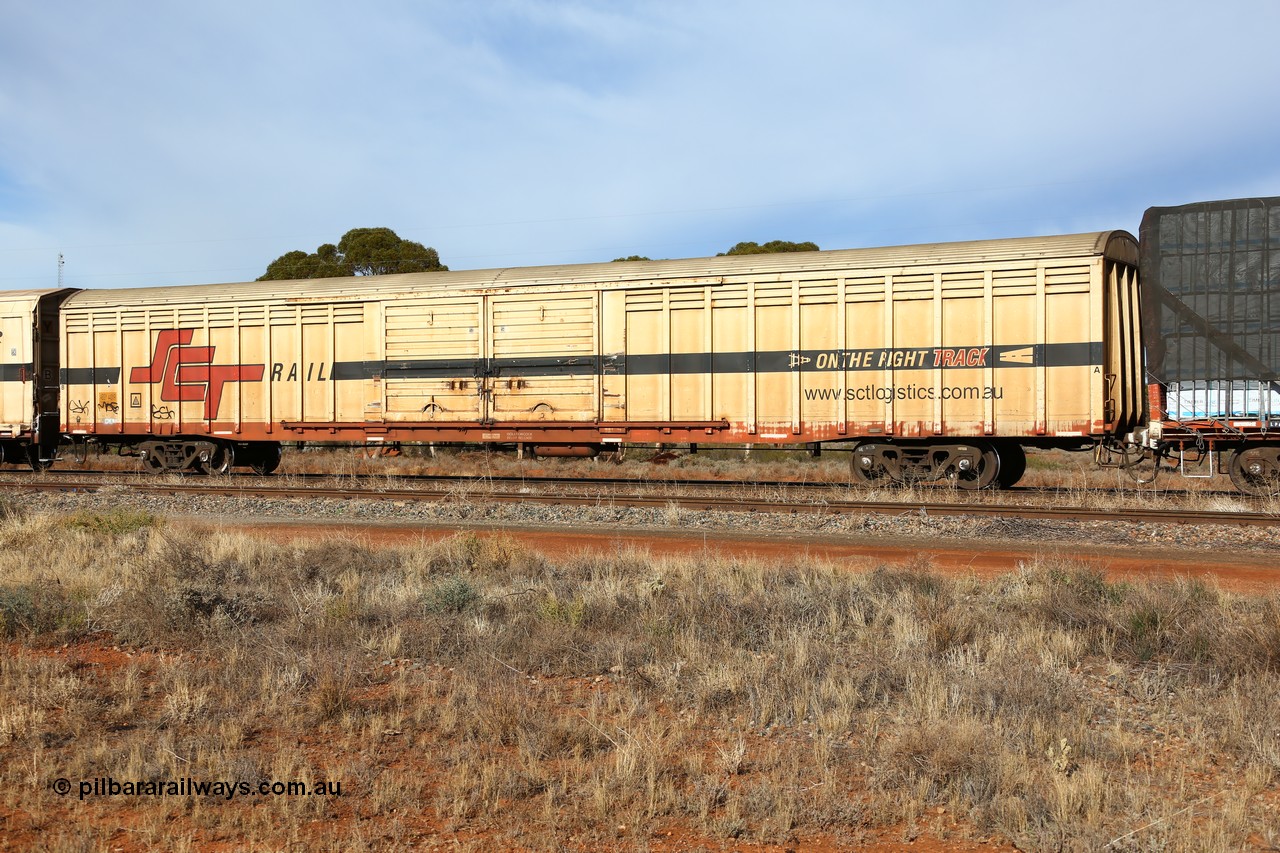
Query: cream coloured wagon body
[29, 374]
[1033, 340]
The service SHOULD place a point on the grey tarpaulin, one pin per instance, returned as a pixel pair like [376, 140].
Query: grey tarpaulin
[1210, 276]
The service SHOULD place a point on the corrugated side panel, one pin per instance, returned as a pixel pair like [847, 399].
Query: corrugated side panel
[1006, 348]
[1211, 284]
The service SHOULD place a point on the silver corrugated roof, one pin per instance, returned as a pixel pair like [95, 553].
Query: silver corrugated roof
[783, 266]
[10, 295]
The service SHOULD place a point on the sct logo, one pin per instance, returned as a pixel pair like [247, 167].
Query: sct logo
[187, 373]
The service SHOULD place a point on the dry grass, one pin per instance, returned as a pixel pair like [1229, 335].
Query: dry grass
[472, 691]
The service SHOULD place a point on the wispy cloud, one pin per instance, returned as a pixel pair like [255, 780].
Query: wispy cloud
[160, 143]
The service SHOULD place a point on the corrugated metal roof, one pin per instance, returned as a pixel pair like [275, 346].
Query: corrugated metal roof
[17, 295]
[784, 266]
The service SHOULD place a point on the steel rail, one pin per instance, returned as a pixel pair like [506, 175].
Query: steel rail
[228, 487]
[675, 482]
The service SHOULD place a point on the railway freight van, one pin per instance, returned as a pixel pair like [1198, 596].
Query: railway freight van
[939, 360]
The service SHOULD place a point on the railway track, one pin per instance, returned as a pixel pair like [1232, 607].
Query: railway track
[793, 498]
[817, 486]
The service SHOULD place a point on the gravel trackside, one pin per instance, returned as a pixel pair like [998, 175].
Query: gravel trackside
[475, 512]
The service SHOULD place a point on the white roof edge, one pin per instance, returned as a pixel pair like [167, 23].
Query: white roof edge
[1093, 243]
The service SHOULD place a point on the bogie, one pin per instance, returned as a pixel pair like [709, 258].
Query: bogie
[967, 466]
[177, 456]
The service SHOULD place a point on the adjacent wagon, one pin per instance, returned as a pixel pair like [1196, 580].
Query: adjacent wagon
[1211, 282]
[29, 428]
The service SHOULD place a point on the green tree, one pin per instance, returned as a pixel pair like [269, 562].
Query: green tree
[632, 258]
[361, 251]
[769, 248]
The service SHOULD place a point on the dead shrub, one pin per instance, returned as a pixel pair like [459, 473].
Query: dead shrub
[1076, 597]
[1022, 695]
[954, 760]
[112, 522]
[1160, 619]
[42, 608]
[332, 695]
[954, 626]
[1254, 640]
[453, 594]
[485, 555]
[887, 582]
[182, 593]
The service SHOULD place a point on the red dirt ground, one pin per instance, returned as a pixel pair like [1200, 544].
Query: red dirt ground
[89, 657]
[1237, 571]
[1244, 572]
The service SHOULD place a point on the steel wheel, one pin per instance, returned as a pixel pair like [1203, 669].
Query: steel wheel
[1256, 470]
[224, 457]
[980, 476]
[33, 458]
[1013, 464]
[863, 467]
[265, 459]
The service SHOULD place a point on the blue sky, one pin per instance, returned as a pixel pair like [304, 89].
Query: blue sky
[160, 143]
